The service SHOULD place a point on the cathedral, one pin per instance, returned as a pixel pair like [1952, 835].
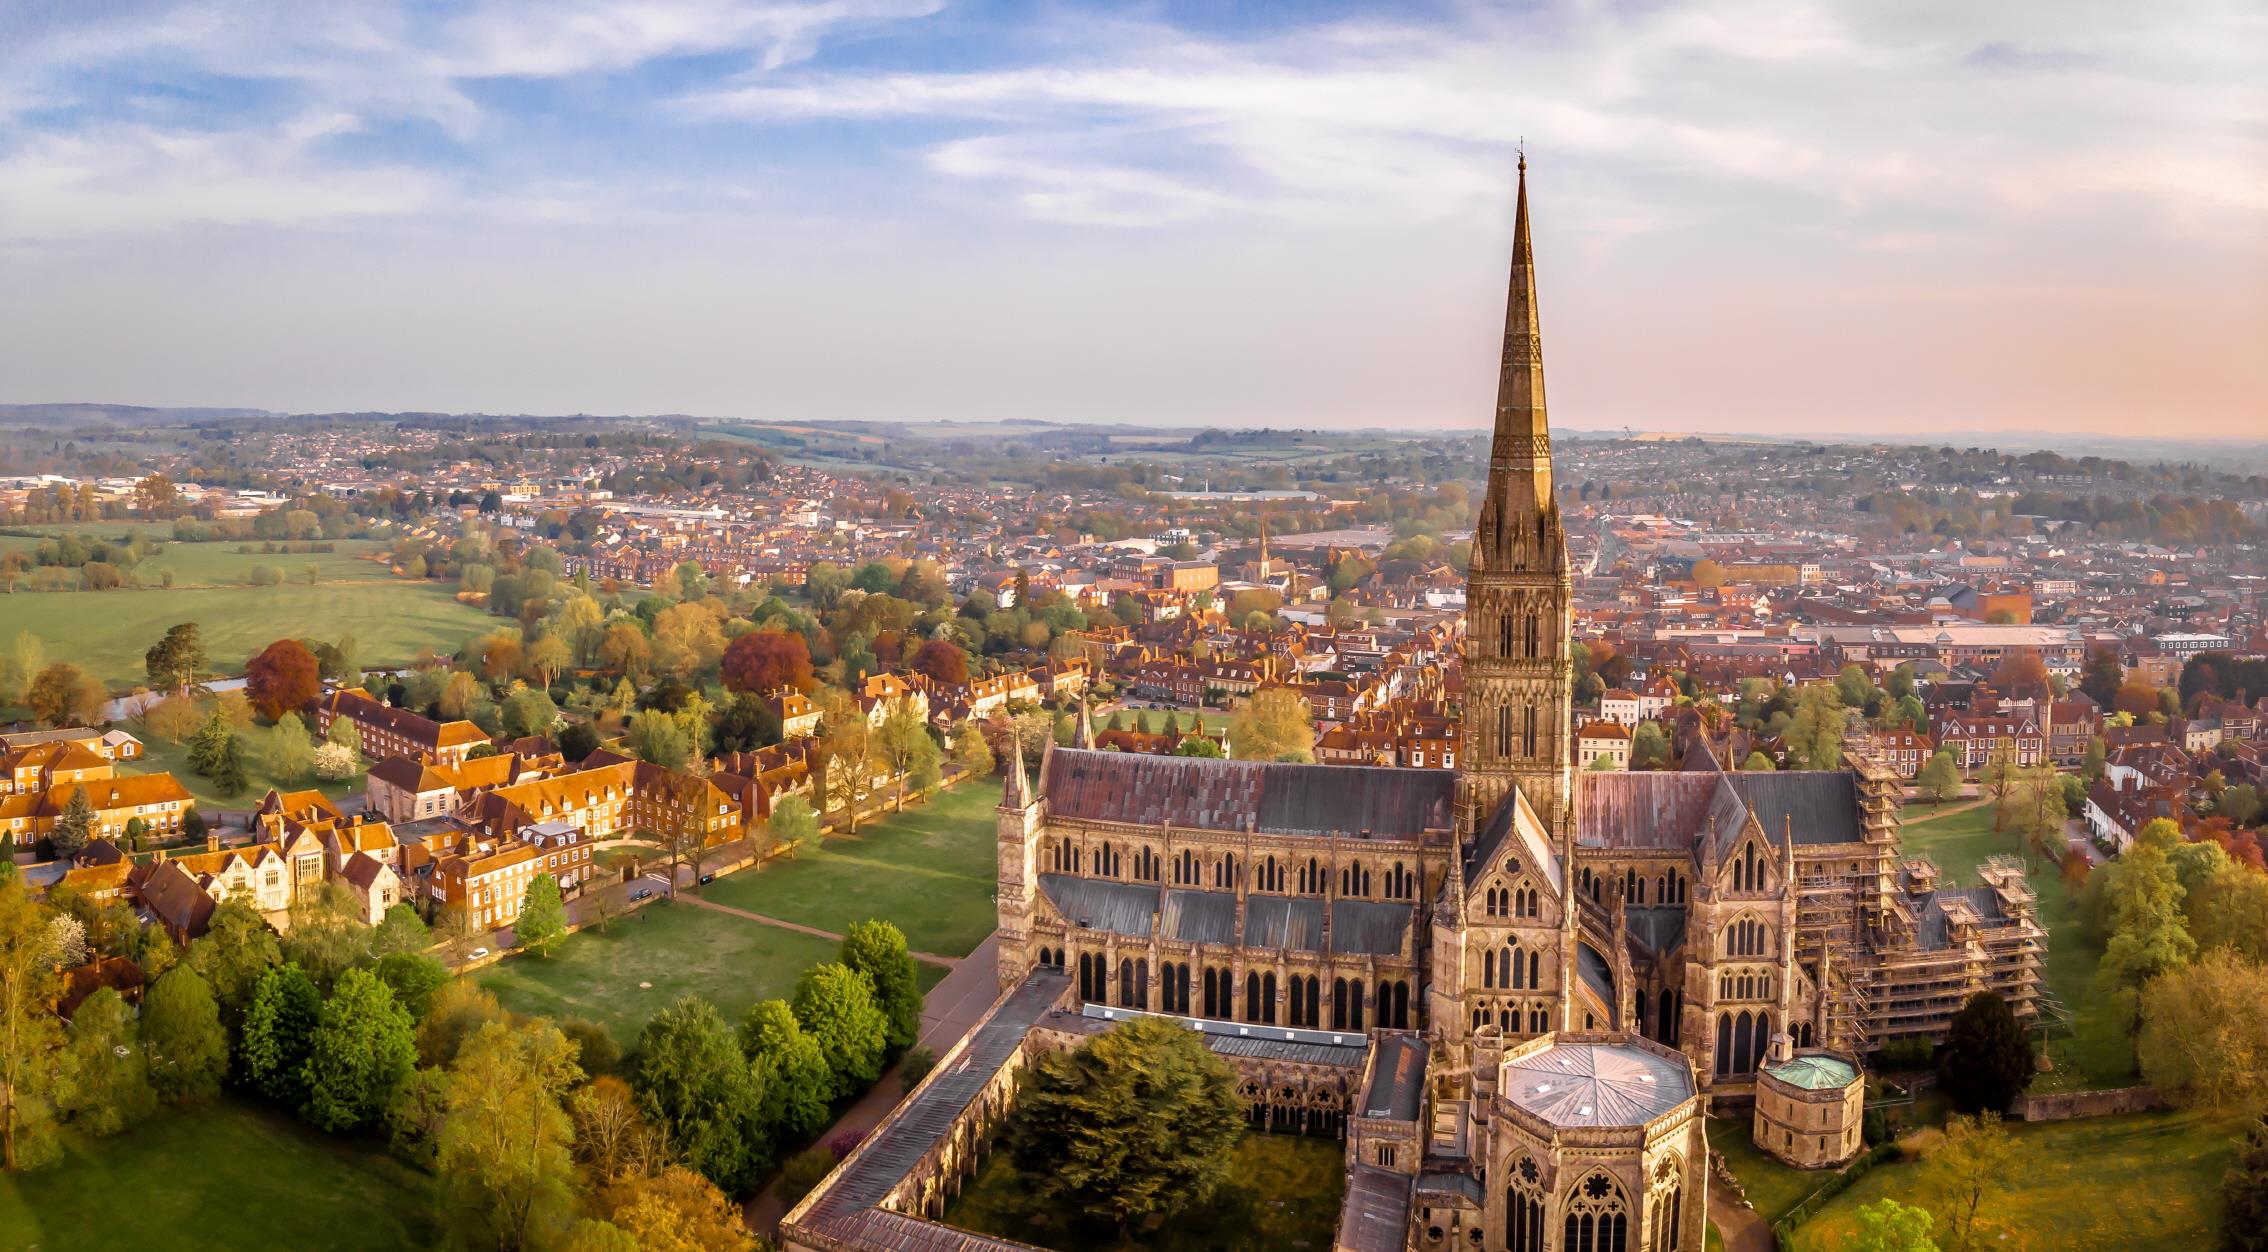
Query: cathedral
[1515, 989]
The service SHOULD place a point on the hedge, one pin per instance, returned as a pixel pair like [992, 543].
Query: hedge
[1783, 1230]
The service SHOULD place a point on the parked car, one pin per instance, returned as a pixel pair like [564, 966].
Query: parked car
[641, 893]
[478, 953]
[706, 879]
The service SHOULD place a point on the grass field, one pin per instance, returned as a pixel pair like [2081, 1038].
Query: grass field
[930, 869]
[391, 619]
[621, 976]
[226, 1178]
[2143, 1181]
[161, 757]
[1772, 1187]
[1958, 843]
[1282, 1192]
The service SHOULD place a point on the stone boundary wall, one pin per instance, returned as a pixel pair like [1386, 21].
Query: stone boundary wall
[2065, 1105]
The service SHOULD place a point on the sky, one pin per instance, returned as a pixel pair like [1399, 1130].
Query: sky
[1776, 216]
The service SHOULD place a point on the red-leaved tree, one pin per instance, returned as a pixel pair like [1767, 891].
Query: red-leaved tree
[942, 661]
[764, 661]
[285, 676]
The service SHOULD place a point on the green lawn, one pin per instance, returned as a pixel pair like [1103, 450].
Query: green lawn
[931, 870]
[2148, 1180]
[1772, 1187]
[1283, 1191]
[391, 619]
[1958, 843]
[158, 756]
[624, 974]
[227, 1178]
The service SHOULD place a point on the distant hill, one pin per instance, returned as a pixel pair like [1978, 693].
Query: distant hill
[25, 414]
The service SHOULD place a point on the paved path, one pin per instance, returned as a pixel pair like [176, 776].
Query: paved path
[930, 957]
[1741, 1227]
[949, 1012]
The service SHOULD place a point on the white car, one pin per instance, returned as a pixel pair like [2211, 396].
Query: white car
[478, 953]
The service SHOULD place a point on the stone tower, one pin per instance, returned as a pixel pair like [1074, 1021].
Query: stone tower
[1020, 820]
[1519, 593]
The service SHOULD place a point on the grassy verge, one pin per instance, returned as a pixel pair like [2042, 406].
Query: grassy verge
[2146, 1180]
[224, 1178]
[931, 870]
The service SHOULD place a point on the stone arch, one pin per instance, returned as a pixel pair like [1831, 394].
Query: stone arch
[1597, 1215]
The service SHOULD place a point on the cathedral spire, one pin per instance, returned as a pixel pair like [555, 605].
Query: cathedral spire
[1519, 455]
[1016, 793]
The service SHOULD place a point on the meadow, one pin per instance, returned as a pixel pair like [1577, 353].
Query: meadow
[223, 1178]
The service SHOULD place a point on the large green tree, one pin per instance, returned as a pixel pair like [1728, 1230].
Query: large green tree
[796, 1100]
[279, 1031]
[543, 916]
[1888, 1226]
[694, 1080]
[108, 1067]
[29, 1033]
[506, 1159]
[401, 929]
[1987, 1060]
[188, 1046]
[235, 950]
[836, 1006]
[1138, 1121]
[877, 949]
[173, 663]
[75, 826]
[413, 977]
[363, 1048]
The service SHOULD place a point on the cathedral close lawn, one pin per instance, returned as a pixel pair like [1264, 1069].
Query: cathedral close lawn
[193, 1179]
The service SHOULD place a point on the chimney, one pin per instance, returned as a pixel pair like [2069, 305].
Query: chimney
[212, 842]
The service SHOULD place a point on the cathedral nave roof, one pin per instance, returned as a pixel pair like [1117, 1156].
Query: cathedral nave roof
[1350, 801]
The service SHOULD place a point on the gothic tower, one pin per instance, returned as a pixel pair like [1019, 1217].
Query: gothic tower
[1519, 592]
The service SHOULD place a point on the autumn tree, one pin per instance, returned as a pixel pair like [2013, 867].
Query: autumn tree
[1275, 724]
[943, 661]
[2022, 675]
[847, 747]
[765, 661]
[2205, 1030]
[677, 1210]
[1970, 1166]
[173, 719]
[62, 694]
[284, 676]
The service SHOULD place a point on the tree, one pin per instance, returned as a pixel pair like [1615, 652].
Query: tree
[454, 1013]
[677, 1210]
[971, 751]
[279, 1031]
[29, 1032]
[695, 1082]
[1199, 746]
[284, 676]
[762, 662]
[26, 657]
[1815, 735]
[173, 719]
[877, 949]
[943, 661]
[506, 1165]
[326, 935]
[413, 977]
[212, 733]
[2102, 676]
[2230, 909]
[2022, 675]
[1140, 1120]
[2205, 1030]
[66, 941]
[609, 1130]
[181, 1028]
[746, 724]
[543, 916]
[363, 1048]
[1855, 687]
[110, 1075]
[230, 957]
[1757, 763]
[796, 1100]
[400, 930]
[2001, 779]
[836, 1005]
[173, 663]
[656, 737]
[906, 746]
[2240, 804]
[1888, 1226]
[2142, 914]
[1967, 1168]
[792, 823]
[2244, 1193]
[65, 695]
[1274, 725]
[1987, 1059]
[1649, 747]
[74, 827]
[847, 745]
[227, 770]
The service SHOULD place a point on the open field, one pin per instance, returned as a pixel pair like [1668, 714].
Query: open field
[1771, 1186]
[162, 757]
[1283, 1191]
[224, 1178]
[2146, 1180]
[220, 564]
[621, 976]
[930, 869]
[108, 631]
[1959, 842]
